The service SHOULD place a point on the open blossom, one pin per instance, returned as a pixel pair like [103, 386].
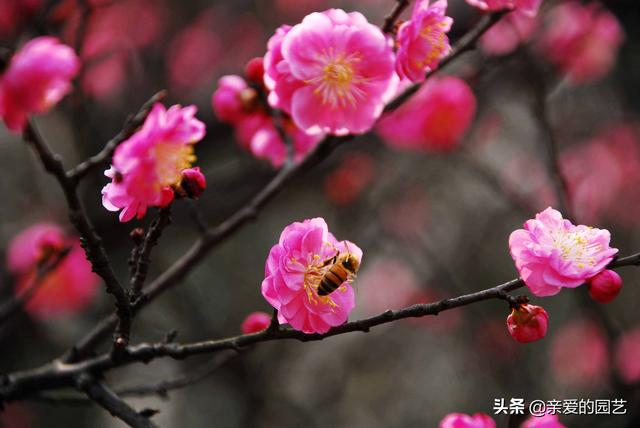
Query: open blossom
[332, 72]
[507, 34]
[529, 7]
[149, 165]
[38, 76]
[422, 41]
[255, 322]
[236, 103]
[460, 420]
[528, 323]
[551, 253]
[546, 421]
[294, 270]
[434, 119]
[582, 40]
[69, 288]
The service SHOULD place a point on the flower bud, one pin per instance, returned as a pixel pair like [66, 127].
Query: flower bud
[605, 286]
[255, 322]
[193, 182]
[254, 70]
[528, 323]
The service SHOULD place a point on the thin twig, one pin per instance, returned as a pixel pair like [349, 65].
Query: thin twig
[392, 17]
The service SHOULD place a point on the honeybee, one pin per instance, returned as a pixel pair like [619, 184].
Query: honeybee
[344, 266]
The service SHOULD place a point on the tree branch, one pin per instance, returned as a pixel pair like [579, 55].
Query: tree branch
[392, 17]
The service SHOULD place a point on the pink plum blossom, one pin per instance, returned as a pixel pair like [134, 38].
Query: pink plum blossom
[461, 420]
[149, 165]
[551, 253]
[605, 286]
[529, 7]
[333, 72]
[627, 361]
[293, 273]
[435, 119]
[528, 323]
[422, 41]
[507, 34]
[255, 322]
[69, 288]
[546, 421]
[38, 76]
[582, 40]
[347, 182]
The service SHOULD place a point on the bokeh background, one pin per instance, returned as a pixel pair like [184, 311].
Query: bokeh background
[432, 224]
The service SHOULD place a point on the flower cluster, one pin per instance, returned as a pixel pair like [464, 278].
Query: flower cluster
[37, 77]
[294, 271]
[152, 165]
[551, 253]
[69, 288]
[238, 104]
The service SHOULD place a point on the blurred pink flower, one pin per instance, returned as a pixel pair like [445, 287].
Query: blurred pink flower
[254, 70]
[381, 293]
[434, 119]
[255, 322]
[579, 354]
[194, 54]
[150, 163]
[529, 7]
[293, 273]
[344, 184]
[460, 420]
[336, 70]
[528, 323]
[68, 289]
[14, 13]
[422, 41]
[546, 421]
[605, 286]
[407, 217]
[508, 33]
[582, 40]
[38, 76]
[551, 253]
[627, 361]
[233, 99]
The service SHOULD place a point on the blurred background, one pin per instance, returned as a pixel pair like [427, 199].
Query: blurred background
[433, 219]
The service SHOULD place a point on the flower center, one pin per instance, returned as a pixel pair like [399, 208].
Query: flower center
[312, 278]
[576, 248]
[435, 34]
[337, 81]
[171, 160]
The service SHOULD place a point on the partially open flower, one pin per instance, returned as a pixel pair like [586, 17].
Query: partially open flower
[528, 323]
[605, 286]
[255, 322]
[293, 273]
[254, 70]
[461, 420]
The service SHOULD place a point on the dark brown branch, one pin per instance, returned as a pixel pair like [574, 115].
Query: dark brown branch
[392, 17]
[103, 158]
[57, 375]
[107, 399]
[91, 241]
[16, 302]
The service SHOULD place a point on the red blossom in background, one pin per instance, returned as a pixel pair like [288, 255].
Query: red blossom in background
[529, 7]
[69, 288]
[345, 184]
[14, 13]
[433, 120]
[255, 322]
[626, 354]
[510, 32]
[460, 420]
[546, 421]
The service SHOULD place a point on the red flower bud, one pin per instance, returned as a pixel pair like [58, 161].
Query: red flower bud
[605, 286]
[255, 322]
[254, 70]
[193, 182]
[528, 323]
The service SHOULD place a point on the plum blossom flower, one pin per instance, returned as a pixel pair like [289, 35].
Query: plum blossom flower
[546, 421]
[236, 103]
[293, 271]
[149, 165]
[38, 76]
[69, 288]
[422, 41]
[627, 361]
[528, 323]
[434, 119]
[551, 253]
[507, 34]
[255, 322]
[529, 7]
[461, 420]
[332, 72]
[582, 40]
[605, 286]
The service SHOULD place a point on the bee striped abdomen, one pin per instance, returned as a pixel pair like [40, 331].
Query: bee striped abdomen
[332, 280]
